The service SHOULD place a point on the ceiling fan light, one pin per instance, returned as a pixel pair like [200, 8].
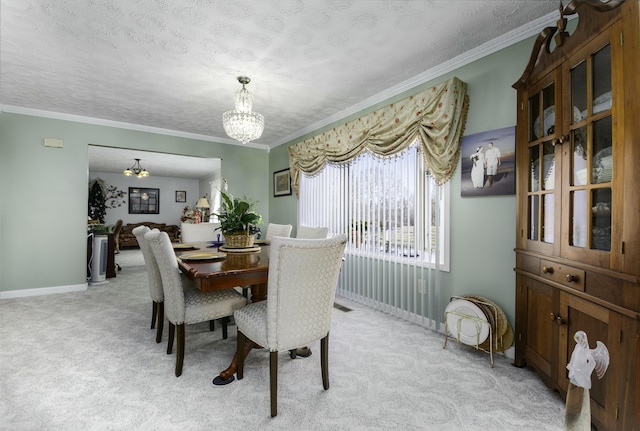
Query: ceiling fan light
[128, 172]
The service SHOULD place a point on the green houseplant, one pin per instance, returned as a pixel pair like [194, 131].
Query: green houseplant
[238, 221]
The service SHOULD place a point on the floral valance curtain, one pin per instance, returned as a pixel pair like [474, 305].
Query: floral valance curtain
[436, 115]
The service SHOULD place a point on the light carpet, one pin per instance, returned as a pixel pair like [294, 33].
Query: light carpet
[89, 361]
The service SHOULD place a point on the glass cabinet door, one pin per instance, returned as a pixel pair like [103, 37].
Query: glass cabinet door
[542, 165]
[591, 152]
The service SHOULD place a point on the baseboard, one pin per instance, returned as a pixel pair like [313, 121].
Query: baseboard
[42, 291]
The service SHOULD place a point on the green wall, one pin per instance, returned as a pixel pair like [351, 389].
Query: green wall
[43, 215]
[43, 192]
[482, 228]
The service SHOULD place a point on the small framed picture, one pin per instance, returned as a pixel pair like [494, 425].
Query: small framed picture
[181, 196]
[282, 183]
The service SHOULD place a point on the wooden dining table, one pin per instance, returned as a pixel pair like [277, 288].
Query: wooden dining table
[235, 269]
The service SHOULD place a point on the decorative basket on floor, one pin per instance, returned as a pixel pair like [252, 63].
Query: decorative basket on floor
[239, 240]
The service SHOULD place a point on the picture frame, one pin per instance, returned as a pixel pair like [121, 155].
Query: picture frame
[181, 196]
[282, 183]
[144, 200]
[479, 181]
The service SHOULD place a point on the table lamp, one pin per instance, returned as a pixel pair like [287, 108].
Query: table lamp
[201, 206]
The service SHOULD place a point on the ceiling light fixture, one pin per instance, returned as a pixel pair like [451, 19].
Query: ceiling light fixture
[136, 170]
[242, 124]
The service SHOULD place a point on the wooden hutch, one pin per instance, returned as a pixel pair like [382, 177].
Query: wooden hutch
[578, 203]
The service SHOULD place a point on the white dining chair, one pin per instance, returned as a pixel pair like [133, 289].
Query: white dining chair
[184, 303]
[273, 229]
[303, 275]
[155, 282]
[309, 232]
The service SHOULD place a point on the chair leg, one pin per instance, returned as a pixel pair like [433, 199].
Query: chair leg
[160, 322]
[242, 341]
[225, 321]
[324, 361]
[180, 352]
[212, 325]
[172, 330]
[154, 314]
[273, 371]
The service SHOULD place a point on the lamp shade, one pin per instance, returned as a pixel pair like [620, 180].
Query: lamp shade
[202, 203]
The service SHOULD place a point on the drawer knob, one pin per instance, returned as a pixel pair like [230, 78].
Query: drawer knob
[547, 270]
[571, 278]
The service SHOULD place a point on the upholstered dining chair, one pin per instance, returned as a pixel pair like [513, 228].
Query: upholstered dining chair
[184, 303]
[303, 275]
[309, 232]
[155, 282]
[274, 229]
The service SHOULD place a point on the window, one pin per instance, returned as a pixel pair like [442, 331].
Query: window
[391, 208]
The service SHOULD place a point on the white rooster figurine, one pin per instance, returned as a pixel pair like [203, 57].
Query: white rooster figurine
[583, 361]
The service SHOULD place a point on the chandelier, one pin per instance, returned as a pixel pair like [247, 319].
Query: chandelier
[242, 124]
[136, 170]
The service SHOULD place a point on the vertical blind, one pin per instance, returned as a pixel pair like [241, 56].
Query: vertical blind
[396, 217]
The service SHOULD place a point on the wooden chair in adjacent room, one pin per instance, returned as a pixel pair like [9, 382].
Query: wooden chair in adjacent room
[116, 235]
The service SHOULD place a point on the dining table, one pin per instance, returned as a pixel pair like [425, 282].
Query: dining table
[224, 270]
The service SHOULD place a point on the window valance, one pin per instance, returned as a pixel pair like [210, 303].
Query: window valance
[437, 115]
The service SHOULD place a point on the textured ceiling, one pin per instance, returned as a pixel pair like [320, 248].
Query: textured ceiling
[116, 160]
[172, 64]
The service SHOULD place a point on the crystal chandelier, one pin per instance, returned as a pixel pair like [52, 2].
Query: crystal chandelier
[136, 170]
[241, 123]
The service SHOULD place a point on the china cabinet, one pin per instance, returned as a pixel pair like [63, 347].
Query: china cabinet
[578, 206]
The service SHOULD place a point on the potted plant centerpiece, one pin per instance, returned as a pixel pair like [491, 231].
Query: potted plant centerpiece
[238, 221]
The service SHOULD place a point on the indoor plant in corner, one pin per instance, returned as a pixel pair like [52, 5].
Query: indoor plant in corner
[238, 221]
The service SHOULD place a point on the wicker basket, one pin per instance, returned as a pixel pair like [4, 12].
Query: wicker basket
[239, 240]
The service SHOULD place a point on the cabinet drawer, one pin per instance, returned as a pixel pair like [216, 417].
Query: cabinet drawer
[563, 274]
[528, 263]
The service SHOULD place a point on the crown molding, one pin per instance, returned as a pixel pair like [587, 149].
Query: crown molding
[122, 125]
[514, 36]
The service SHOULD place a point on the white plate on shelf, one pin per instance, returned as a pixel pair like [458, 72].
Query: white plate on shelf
[471, 330]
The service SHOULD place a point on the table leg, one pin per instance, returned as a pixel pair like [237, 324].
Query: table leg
[258, 293]
[226, 376]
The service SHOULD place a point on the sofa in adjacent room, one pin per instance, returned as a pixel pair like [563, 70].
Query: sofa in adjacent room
[128, 239]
